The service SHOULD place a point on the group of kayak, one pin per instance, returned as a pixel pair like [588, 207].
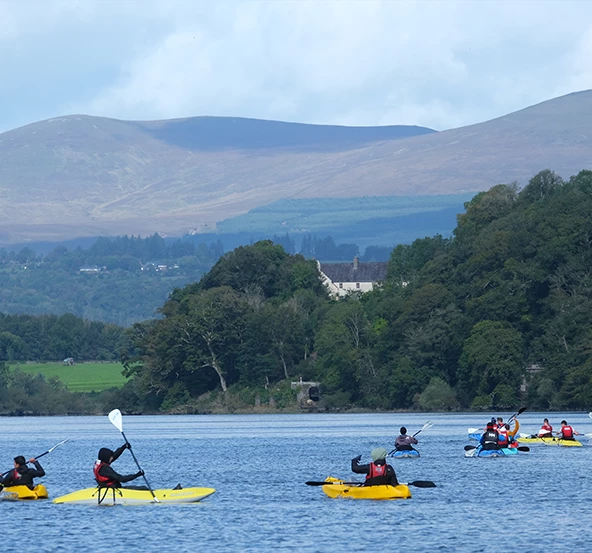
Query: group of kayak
[18, 483]
[500, 439]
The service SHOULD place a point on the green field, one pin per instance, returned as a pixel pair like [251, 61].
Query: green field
[82, 377]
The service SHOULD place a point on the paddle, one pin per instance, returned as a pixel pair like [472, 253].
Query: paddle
[516, 415]
[523, 448]
[416, 483]
[44, 453]
[116, 420]
[427, 425]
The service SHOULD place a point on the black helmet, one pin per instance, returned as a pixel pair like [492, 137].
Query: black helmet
[403, 430]
[105, 455]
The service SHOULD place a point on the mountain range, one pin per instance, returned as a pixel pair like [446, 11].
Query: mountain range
[80, 175]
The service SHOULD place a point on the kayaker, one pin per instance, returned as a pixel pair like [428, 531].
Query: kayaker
[378, 472]
[105, 476]
[403, 442]
[503, 438]
[21, 474]
[567, 432]
[546, 430]
[499, 423]
[490, 438]
[512, 433]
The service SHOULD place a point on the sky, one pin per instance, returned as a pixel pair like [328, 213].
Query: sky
[435, 63]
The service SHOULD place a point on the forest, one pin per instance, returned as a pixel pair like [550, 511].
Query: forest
[495, 317]
[125, 279]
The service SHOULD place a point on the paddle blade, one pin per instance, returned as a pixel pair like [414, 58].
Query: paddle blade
[524, 448]
[316, 483]
[521, 411]
[115, 418]
[422, 484]
[57, 445]
[469, 447]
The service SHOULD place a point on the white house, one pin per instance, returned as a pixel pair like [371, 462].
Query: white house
[344, 278]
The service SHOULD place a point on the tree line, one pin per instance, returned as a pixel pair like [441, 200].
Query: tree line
[496, 316]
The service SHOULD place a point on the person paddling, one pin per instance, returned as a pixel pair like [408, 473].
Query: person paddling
[546, 430]
[403, 442]
[105, 476]
[567, 432]
[490, 438]
[21, 474]
[378, 472]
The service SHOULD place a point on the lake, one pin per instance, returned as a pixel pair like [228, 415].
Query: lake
[533, 502]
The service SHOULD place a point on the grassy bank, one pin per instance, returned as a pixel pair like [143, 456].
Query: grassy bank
[82, 377]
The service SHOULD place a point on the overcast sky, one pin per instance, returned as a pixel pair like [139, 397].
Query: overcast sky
[436, 63]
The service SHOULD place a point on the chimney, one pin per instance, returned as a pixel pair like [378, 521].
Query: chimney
[356, 261]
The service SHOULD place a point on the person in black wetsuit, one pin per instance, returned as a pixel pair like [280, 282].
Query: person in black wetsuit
[378, 472]
[105, 476]
[490, 438]
[22, 475]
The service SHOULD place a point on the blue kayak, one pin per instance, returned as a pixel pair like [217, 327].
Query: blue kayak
[406, 454]
[503, 452]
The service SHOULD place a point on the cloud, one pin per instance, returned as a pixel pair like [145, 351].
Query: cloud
[436, 63]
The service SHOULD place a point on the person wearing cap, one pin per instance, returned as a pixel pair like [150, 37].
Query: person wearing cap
[105, 476]
[490, 438]
[403, 442]
[378, 472]
[21, 474]
[567, 432]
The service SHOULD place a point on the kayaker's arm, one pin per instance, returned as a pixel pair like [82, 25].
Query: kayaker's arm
[108, 472]
[515, 430]
[117, 453]
[38, 471]
[357, 468]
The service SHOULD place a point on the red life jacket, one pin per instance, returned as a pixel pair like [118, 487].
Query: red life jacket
[547, 428]
[104, 481]
[376, 470]
[567, 432]
[16, 475]
[502, 439]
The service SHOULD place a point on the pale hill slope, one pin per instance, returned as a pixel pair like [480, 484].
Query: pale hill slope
[81, 175]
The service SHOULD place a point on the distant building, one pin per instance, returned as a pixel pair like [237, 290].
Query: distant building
[344, 278]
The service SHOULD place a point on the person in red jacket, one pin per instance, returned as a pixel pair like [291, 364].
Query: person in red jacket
[378, 472]
[567, 432]
[22, 475]
[546, 430]
[105, 476]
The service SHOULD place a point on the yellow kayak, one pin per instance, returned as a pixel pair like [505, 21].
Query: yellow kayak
[13, 493]
[550, 441]
[338, 489]
[129, 496]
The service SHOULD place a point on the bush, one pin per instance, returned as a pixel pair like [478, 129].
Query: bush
[438, 396]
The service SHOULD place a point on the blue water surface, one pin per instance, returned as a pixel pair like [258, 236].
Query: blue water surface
[533, 502]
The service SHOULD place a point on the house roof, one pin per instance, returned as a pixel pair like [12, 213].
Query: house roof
[365, 272]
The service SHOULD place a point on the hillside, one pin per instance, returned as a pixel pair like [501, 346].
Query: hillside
[88, 176]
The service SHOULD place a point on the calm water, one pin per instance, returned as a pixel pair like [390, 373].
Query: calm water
[536, 502]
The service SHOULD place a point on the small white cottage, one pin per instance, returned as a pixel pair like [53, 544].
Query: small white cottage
[344, 278]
